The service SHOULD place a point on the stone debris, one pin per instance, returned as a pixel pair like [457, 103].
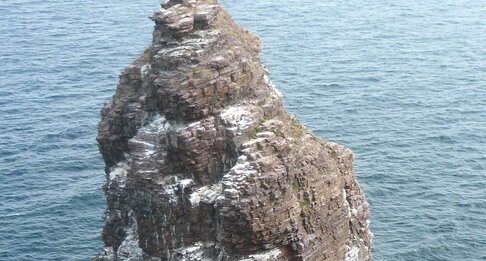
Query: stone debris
[204, 163]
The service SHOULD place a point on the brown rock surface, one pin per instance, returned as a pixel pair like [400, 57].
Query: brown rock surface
[204, 163]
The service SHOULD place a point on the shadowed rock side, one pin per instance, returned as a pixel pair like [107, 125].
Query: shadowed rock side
[204, 163]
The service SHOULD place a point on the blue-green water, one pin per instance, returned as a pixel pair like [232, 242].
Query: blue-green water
[403, 83]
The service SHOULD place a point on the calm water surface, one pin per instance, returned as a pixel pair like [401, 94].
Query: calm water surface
[403, 83]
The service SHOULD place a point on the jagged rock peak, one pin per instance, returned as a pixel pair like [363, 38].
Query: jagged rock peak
[204, 163]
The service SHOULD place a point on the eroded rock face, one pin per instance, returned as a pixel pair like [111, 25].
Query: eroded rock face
[204, 163]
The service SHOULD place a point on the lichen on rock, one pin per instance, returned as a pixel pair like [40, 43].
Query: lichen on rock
[204, 163]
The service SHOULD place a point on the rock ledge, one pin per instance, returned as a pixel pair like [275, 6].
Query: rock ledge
[204, 163]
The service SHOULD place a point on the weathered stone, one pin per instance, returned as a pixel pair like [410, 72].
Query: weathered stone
[165, 16]
[204, 163]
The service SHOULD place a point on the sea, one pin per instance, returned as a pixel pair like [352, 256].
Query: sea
[402, 83]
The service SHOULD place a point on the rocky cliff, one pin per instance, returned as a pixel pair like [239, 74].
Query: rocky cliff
[204, 163]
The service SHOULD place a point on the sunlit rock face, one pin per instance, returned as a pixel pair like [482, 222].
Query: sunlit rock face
[204, 163]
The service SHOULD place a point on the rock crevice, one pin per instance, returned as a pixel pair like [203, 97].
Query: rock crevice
[204, 163]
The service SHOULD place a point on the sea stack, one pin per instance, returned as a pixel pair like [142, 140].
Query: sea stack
[204, 163]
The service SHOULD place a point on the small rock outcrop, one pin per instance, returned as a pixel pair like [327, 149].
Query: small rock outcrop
[204, 163]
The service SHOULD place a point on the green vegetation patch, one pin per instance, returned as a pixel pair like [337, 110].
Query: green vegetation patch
[254, 131]
[297, 130]
[305, 203]
[295, 185]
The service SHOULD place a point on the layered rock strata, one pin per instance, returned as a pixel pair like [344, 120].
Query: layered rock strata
[204, 163]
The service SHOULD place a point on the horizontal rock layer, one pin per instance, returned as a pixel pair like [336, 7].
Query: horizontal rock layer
[204, 163]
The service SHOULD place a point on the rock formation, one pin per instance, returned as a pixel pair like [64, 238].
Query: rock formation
[203, 162]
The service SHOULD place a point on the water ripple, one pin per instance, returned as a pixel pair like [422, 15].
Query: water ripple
[401, 83]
